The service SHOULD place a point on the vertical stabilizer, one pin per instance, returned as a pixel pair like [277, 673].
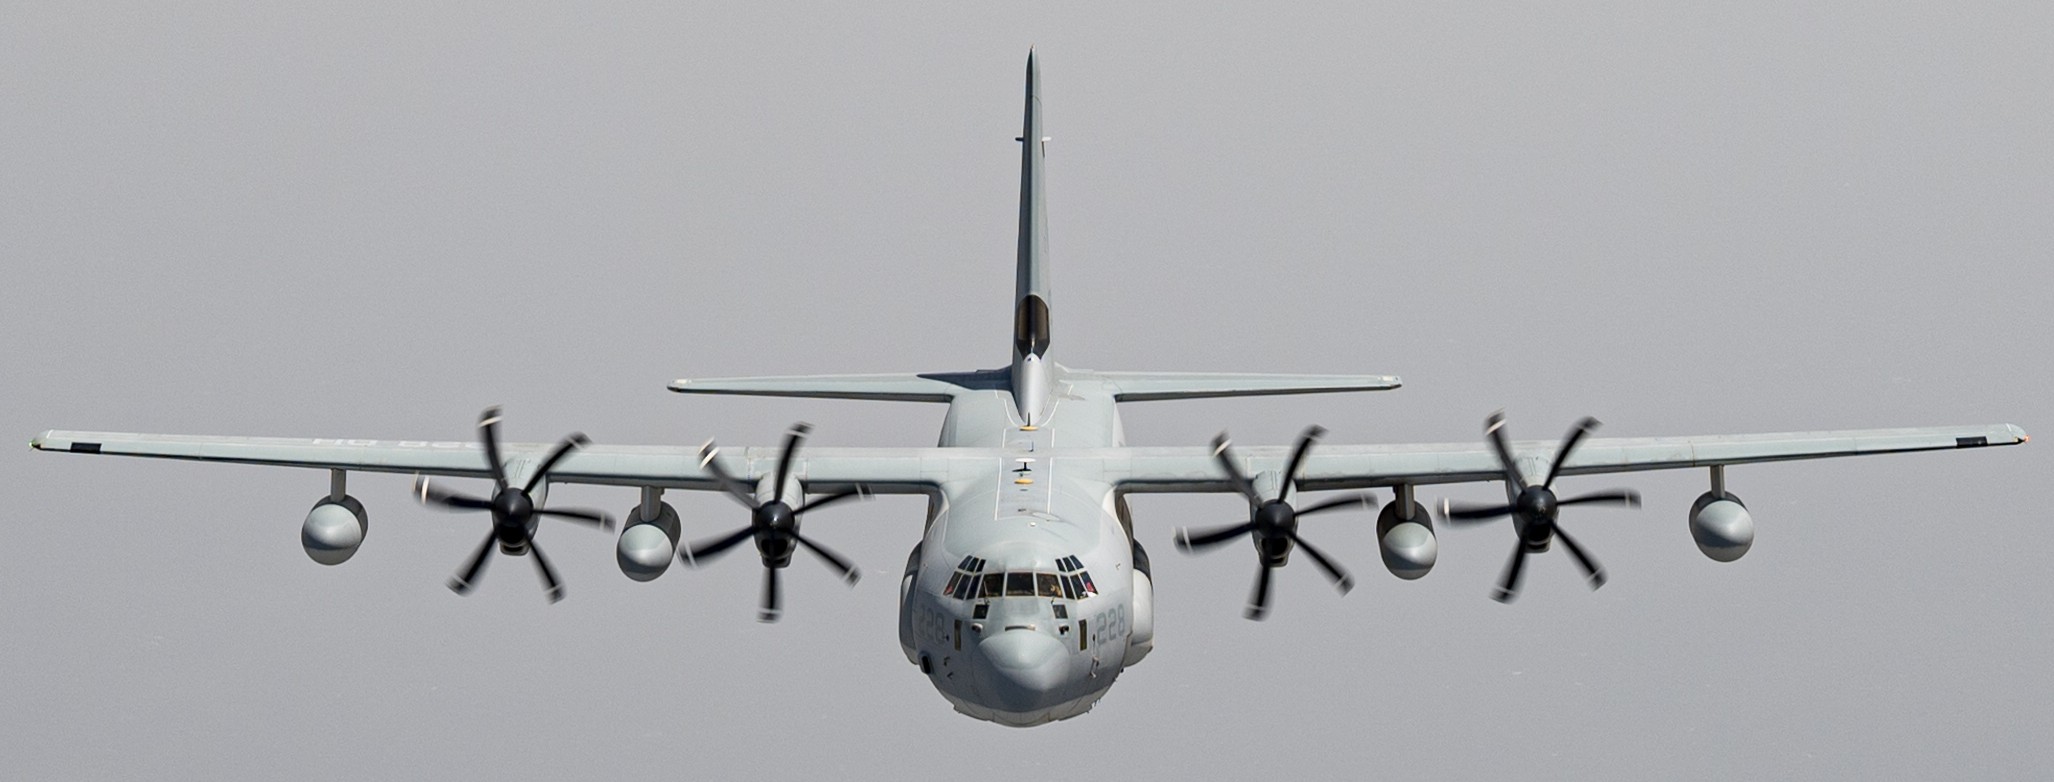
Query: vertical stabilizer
[1031, 296]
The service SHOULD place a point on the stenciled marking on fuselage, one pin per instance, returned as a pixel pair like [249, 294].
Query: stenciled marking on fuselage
[932, 626]
[1110, 626]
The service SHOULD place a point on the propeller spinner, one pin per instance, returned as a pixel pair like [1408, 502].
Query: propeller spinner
[514, 511]
[1273, 523]
[1534, 510]
[773, 523]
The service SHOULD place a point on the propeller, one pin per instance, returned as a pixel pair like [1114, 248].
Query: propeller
[513, 508]
[1273, 523]
[1535, 508]
[773, 524]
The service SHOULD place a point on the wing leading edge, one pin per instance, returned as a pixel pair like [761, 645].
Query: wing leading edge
[881, 470]
[1131, 469]
[1195, 469]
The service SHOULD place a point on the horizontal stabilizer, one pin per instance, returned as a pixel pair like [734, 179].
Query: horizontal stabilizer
[1151, 386]
[926, 387]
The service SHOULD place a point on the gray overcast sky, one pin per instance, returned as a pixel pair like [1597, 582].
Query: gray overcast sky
[371, 220]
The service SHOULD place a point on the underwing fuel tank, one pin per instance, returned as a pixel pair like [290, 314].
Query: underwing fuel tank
[334, 529]
[1408, 545]
[1721, 526]
[647, 547]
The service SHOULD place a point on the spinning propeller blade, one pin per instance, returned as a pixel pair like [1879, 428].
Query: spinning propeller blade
[773, 523]
[1273, 523]
[513, 508]
[1535, 508]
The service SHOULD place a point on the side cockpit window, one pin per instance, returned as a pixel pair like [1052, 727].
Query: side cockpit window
[963, 583]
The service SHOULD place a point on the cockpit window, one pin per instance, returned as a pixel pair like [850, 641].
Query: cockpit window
[1019, 584]
[970, 582]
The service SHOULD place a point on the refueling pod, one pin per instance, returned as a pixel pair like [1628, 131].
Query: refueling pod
[1408, 545]
[647, 546]
[334, 529]
[1721, 526]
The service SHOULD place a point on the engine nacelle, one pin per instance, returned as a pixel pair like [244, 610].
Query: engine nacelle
[906, 583]
[647, 547]
[1721, 526]
[1141, 620]
[334, 529]
[1408, 546]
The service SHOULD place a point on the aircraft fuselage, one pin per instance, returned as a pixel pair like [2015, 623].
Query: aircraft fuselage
[1022, 603]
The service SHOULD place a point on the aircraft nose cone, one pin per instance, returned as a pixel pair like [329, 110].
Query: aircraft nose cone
[1029, 666]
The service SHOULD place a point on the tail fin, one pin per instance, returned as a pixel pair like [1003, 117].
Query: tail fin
[1031, 294]
[1031, 373]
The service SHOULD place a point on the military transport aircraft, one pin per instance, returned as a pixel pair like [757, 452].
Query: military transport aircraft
[1028, 594]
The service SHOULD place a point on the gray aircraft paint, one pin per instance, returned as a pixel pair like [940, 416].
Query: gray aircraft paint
[1770, 220]
[1031, 470]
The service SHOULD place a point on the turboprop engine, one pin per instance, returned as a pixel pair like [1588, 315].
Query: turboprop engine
[334, 529]
[1721, 526]
[1141, 621]
[647, 545]
[1408, 545]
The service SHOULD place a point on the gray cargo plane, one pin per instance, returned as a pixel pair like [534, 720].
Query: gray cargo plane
[1028, 594]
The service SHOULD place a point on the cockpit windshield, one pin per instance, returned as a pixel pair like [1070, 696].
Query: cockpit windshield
[1019, 584]
[969, 583]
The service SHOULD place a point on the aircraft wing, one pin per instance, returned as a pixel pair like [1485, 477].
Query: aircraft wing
[881, 470]
[1195, 469]
[1133, 469]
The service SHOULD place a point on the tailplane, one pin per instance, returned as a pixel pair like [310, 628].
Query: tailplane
[1032, 377]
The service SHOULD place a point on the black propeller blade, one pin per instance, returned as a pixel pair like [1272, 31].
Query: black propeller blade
[773, 523]
[1535, 508]
[1273, 523]
[513, 509]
